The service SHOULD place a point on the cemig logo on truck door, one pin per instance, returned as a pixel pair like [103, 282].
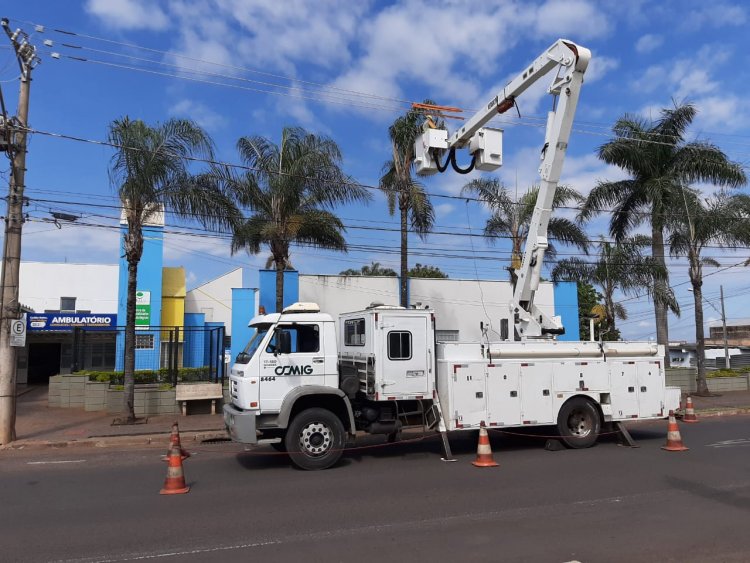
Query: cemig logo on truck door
[293, 370]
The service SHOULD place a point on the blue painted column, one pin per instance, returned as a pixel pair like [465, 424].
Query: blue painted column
[194, 351]
[267, 282]
[566, 305]
[149, 279]
[243, 309]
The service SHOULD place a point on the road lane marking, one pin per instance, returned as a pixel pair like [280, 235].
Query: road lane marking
[731, 443]
[55, 462]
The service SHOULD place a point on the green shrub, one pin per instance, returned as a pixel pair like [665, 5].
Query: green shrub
[726, 372]
[160, 376]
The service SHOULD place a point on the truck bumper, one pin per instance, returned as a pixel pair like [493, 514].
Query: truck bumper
[240, 425]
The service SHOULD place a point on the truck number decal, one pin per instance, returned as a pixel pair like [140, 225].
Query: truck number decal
[268, 378]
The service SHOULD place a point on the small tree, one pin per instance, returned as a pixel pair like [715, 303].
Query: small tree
[588, 298]
[373, 269]
[722, 220]
[420, 271]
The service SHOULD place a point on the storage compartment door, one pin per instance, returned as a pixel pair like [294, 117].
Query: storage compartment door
[503, 395]
[404, 357]
[650, 389]
[469, 401]
[624, 392]
[536, 393]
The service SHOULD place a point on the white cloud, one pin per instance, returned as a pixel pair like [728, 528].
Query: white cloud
[72, 242]
[198, 112]
[579, 18]
[715, 14]
[600, 66]
[443, 209]
[648, 43]
[129, 14]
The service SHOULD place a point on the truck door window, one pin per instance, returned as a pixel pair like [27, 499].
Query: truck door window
[354, 332]
[304, 338]
[399, 345]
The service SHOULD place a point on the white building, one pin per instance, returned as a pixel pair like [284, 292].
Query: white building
[214, 299]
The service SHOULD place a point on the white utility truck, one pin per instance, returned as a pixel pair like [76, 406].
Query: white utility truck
[307, 382]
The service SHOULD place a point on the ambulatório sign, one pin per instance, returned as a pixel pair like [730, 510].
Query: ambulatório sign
[37, 322]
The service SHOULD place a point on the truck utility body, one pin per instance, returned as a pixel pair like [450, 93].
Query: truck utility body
[381, 370]
[305, 385]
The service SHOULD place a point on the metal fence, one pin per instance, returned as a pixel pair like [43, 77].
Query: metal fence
[164, 354]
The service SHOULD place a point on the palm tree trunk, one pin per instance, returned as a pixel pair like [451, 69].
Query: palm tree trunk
[280, 267]
[404, 255]
[128, 404]
[660, 309]
[700, 345]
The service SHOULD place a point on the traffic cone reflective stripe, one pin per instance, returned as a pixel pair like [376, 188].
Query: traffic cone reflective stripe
[174, 439]
[674, 440]
[689, 415]
[484, 450]
[174, 484]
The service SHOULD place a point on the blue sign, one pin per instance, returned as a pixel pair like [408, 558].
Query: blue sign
[37, 322]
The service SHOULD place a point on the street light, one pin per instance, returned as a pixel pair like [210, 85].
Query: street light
[723, 323]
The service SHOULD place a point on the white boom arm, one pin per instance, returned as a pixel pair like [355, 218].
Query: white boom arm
[570, 61]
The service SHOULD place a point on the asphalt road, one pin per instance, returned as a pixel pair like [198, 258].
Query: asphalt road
[392, 503]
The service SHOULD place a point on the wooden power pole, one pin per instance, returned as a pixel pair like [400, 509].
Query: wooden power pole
[10, 309]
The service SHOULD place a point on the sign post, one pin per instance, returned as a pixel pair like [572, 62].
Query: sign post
[18, 332]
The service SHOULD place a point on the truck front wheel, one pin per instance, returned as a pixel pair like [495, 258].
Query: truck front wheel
[315, 439]
[579, 423]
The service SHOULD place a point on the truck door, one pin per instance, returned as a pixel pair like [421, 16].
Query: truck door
[536, 393]
[293, 357]
[405, 356]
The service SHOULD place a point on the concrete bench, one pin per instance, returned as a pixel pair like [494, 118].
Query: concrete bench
[185, 392]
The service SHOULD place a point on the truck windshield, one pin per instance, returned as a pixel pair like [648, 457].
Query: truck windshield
[252, 347]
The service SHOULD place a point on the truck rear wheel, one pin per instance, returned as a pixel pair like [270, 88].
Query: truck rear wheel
[579, 423]
[315, 439]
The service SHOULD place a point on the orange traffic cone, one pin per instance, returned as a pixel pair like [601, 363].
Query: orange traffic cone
[484, 451]
[174, 440]
[674, 440]
[689, 415]
[174, 484]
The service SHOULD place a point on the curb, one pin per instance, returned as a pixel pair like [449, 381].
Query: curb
[723, 411]
[113, 441]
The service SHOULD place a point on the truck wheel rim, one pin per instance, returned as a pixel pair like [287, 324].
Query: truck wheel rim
[580, 423]
[315, 439]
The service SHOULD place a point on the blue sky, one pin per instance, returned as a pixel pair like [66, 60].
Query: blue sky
[344, 69]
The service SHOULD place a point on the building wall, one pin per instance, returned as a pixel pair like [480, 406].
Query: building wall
[460, 305]
[214, 298]
[93, 285]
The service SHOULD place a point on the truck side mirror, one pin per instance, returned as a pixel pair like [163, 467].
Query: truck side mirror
[285, 342]
[243, 358]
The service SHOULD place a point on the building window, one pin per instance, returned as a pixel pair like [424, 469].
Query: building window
[67, 304]
[144, 341]
[399, 345]
[354, 332]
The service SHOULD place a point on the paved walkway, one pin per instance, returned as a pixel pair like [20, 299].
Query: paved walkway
[38, 425]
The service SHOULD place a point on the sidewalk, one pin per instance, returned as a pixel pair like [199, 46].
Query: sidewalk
[39, 426]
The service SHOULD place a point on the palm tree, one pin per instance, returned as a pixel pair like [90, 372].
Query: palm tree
[722, 220]
[620, 266]
[374, 269]
[403, 191]
[289, 189]
[511, 219]
[150, 172]
[660, 162]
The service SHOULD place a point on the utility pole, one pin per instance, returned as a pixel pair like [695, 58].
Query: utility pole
[727, 363]
[11, 309]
